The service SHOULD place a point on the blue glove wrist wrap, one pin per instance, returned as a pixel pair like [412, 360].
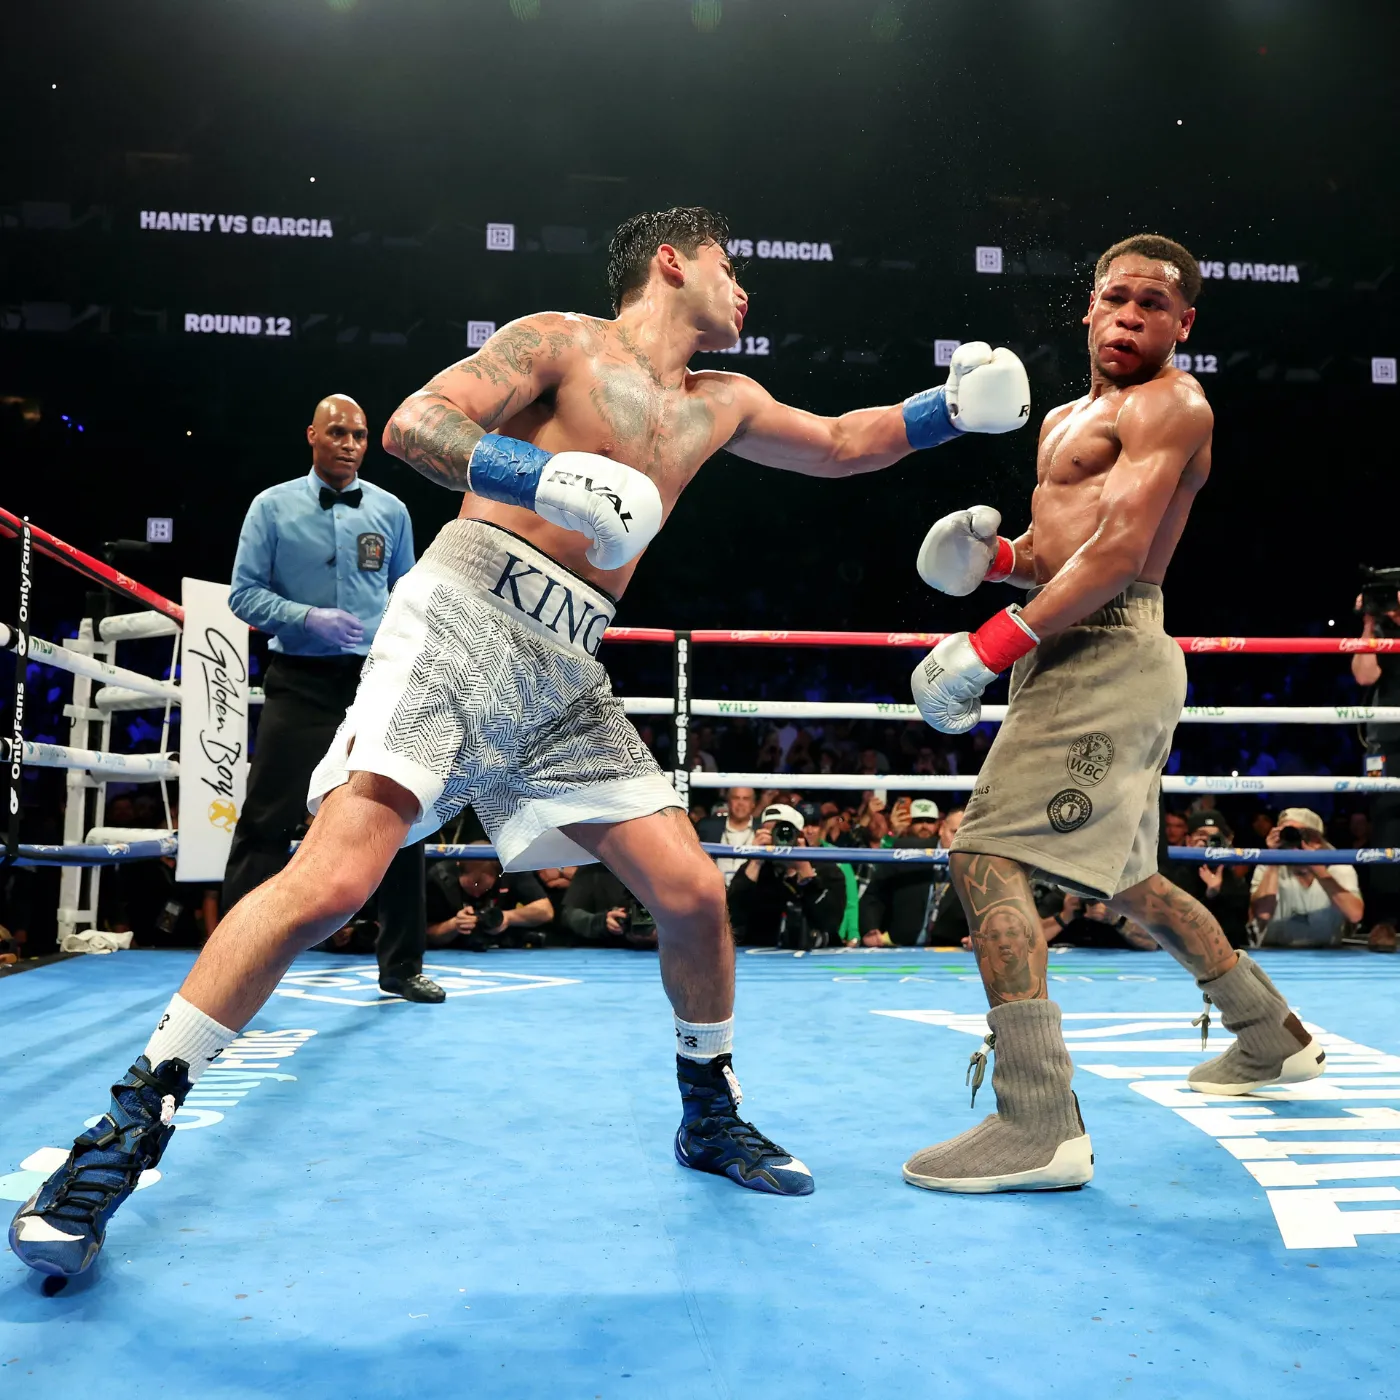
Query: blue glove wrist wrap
[926, 419]
[507, 470]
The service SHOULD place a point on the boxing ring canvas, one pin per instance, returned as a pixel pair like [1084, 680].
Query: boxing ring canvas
[371, 1199]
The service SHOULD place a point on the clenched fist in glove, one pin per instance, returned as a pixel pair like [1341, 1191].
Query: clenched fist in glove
[948, 683]
[617, 508]
[986, 392]
[963, 549]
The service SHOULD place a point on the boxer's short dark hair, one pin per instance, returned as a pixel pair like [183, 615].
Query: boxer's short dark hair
[637, 239]
[1159, 249]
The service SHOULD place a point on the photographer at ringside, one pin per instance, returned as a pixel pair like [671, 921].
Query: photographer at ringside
[1379, 606]
[1223, 889]
[1302, 906]
[472, 904]
[599, 908]
[786, 905]
[898, 904]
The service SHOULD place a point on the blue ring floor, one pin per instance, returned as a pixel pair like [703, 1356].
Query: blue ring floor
[372, 1199]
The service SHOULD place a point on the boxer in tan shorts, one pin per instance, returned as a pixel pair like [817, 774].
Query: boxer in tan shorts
[1070, 787]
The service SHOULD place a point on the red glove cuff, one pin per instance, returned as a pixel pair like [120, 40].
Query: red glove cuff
[1003, 564]
[1003, 639]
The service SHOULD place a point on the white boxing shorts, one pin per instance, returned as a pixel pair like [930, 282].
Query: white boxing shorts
[482, 688]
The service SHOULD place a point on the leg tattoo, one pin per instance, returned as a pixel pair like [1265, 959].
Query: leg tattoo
[1182, 925]
[1005, 927]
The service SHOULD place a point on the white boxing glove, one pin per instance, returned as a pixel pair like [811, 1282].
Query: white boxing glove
[963, 549]
[987, 390]
[617, 507]
[948, 685]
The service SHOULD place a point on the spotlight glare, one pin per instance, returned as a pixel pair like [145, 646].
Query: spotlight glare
[705, 15]
[886, 22]
[189, 432]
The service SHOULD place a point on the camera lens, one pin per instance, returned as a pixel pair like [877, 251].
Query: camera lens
[1290, 838]
[784, 834]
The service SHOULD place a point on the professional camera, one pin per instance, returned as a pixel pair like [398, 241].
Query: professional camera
[489, 922]
[641, 923]
[1290, 838]
[786, 833]
[1380, 592]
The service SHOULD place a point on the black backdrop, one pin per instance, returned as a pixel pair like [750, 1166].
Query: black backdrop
[905, 135]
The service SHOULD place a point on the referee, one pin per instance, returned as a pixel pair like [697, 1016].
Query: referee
[316, 560]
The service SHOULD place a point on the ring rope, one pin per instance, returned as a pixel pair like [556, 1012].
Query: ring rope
[121, 852]
[77, 664]
[129, 767]
[965, 782]
[1231, 646]
[994, 714]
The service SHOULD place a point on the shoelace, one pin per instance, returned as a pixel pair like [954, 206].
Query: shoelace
[742, 1132]
[977, 1065]
[81, 1200]
[1203, 1020]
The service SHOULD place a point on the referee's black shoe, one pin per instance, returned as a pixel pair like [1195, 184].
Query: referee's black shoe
[415, 988]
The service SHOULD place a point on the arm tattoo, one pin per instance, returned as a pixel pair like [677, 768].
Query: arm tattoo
[436, 439]
[1005, 927]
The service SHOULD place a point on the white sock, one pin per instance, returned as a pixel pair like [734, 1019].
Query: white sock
[186, 1033]
[703, 1040]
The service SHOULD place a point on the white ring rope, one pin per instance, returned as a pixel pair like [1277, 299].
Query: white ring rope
[821, 709]
[965, 782]
[77, 664]
[130, 690]
[126, 627]
[129, 767]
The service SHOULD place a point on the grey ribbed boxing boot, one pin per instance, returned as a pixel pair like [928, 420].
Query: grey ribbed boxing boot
[1035, 1141]
[1271, 1046]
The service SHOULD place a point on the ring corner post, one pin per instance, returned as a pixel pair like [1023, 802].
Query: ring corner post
[681, 662]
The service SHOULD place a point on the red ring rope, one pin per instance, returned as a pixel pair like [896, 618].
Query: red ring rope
[118, 582]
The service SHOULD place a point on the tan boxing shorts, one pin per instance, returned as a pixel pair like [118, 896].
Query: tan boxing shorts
[1071, 785]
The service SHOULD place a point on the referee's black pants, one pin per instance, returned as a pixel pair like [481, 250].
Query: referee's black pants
[307, 697]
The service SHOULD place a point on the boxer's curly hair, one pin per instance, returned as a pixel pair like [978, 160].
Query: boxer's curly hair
[1159, 249]
[637, 239]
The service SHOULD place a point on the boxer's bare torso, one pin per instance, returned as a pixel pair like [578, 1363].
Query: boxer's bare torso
[1079, 447]
[606, 395]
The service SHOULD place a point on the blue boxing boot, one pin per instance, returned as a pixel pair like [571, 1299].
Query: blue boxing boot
[60, 1229]
[713, 1138]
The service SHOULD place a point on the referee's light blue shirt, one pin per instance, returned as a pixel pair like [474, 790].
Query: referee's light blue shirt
[294, 556]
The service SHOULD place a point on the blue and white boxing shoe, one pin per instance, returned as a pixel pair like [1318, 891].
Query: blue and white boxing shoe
[713, 1138]
[60, 1229]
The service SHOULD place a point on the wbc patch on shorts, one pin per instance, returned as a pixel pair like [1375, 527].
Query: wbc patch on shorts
[371, 552]
[1088, 759]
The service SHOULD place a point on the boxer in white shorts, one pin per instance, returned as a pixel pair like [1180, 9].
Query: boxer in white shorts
[1070, 786]
[482, 686]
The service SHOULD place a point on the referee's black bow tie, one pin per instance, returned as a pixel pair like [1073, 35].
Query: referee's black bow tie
[346, 498]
